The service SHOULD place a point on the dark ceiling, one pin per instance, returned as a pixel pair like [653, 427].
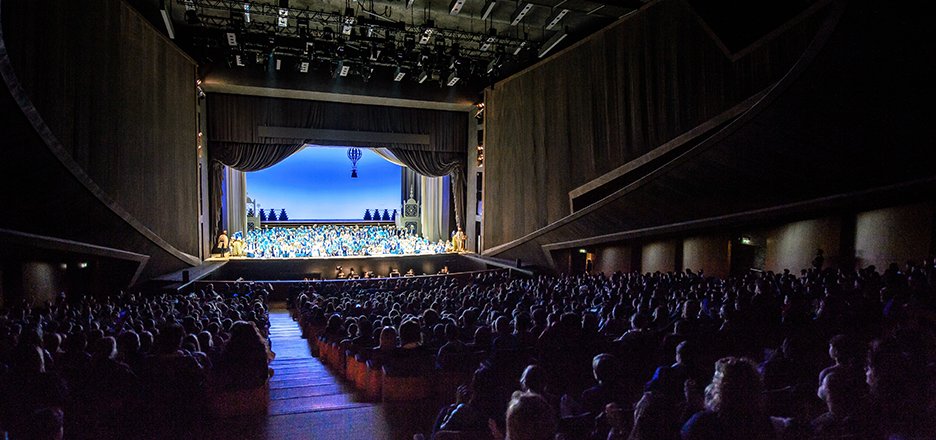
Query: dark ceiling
[416, 49]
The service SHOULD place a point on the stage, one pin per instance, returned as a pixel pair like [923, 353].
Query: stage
[293, 269]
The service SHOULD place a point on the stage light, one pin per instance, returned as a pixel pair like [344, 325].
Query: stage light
[423, 75]
[63, 266]
[453, 78]
[488, 8]
[456, 7]
[283, 19]
[491, 38]
[342, 69]
[83, 265]
[552, 42]
[347, 22]
[231, 39]
[583, 251]
[555, 18]
[428, 30]
[493, 64]
[246, 12]
[522, 10]
[399, 74]
[519, 48]
[167, 19]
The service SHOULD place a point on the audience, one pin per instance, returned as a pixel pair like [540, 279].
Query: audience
[697, 357]
[88, 367]
[828, 354]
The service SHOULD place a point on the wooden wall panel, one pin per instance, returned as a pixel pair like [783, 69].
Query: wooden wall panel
[120, 98]
[609, 99]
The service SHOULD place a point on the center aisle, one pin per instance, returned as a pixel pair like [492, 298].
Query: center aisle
[306, 400]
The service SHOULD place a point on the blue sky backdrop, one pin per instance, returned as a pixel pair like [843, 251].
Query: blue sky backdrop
[316, 184]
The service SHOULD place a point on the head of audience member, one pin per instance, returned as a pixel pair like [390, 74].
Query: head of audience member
[170, 339]
[104, 349]
[605, 368]
[533, 379]
[410, 334]
[128, 343]
[846, 350]
[736, 388]
[529, 417]
[246, 342]
[388, 338]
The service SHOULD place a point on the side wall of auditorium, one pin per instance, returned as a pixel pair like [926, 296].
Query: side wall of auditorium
[114, 159]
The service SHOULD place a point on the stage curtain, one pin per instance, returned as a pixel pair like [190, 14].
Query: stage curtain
[241, 157]
[437, 165]
[237, 118]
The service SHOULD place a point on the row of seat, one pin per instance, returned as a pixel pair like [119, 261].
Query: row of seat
[377, 385]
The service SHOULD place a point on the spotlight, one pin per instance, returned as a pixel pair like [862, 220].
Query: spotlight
[342, 69]
[453, 78]
[246, 12]
[552, 42]
[429, 28]
[167, 19]
[456, 7]
[489, 41]
[519, 13]
[488, 8]
[399, 74]
[519, 48]
[283, 20]
[493, 64]
[555, 18]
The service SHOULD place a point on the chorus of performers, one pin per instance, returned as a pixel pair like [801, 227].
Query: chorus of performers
[338, 241]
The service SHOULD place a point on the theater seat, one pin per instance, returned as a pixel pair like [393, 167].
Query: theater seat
[445, 384]
[396, 389]
[373, 383]
[461, 435]
[239, 402]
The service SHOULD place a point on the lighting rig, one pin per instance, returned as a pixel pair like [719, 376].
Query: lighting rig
[343, 44]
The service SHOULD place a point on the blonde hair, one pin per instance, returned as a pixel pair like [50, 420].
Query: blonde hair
[736, 388]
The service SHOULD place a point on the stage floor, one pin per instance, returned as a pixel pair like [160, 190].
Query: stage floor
[274, 269]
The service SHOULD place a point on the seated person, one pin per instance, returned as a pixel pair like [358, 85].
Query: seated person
[844, 396]
[244, 362]
[410, 358]
[529, 417]
[605, 370]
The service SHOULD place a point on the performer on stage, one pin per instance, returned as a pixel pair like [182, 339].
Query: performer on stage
[222, 243]
[458, 240]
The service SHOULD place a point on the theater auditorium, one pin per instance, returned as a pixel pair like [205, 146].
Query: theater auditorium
[467, 219]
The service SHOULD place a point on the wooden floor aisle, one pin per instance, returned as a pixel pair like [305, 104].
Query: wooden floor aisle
[308, 401]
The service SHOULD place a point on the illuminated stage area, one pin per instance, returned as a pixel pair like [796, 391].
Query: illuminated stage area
[326, 268]
[335, 240]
